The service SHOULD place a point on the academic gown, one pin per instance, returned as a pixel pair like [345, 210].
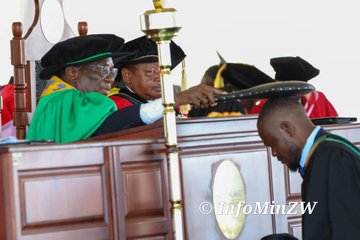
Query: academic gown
[332, 178]
[123, 98]
[318, 106]
[65, 114]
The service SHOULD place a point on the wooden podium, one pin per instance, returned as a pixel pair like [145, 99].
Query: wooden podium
[116, 186]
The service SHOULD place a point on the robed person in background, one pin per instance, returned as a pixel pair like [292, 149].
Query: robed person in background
[138, 80]
[295, 68]
[231, 77]
[73, 105]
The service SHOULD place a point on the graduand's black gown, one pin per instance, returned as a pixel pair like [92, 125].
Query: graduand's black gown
[333, 180]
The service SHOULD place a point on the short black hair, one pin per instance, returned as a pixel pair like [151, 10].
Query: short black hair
[274, 104]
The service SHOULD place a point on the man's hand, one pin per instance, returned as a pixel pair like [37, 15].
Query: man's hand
[200, 96]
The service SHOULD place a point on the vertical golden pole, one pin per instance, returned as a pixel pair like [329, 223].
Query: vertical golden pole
[159, 25]
[183, 76]
[184, 109]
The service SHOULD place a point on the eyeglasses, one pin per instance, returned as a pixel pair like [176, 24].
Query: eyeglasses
[105, 71]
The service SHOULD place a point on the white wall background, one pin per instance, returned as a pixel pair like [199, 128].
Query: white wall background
[324, 32]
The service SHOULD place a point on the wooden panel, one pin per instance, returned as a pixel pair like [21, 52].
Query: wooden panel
[212, 126]
[85, 233]
[144, 227]
[188, 128]
[198, 173]
[61, 198]
[150, 238]
[295, 227]
[285, 185]
[7, 195]
[142, 183]
[57, 192]
[142, 186]
[59, 157]
[2, 202]
[293, 182]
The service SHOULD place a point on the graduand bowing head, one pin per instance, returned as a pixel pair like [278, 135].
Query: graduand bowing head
[282, 122]
[84, 62]
[284, 127]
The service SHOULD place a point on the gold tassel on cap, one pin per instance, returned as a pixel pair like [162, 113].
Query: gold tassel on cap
[219, 80]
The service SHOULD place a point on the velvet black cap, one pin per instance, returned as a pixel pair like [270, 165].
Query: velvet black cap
[293, 68]
[145, 51]
[80, 50]
[244, 76]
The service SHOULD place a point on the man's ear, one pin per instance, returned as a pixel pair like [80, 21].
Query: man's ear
[287, 128]
[126, 75]
[72, 73]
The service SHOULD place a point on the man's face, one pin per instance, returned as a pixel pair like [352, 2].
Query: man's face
[281, 144]
[144, 80]
[97, 76]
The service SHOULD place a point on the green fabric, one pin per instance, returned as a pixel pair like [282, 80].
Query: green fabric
[356, 150]
[69, 115]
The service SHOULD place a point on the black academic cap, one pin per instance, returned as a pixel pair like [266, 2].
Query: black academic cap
[244, 76]
[145, 51]
[80, 50]
[293, 68]
[279, 236]
[212, 71]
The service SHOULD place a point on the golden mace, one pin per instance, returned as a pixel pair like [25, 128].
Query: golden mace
[160, 25]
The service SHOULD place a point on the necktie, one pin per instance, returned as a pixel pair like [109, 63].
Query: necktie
[302, 171]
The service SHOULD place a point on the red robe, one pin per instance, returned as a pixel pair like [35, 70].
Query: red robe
[125, 98]
[7, 93]
[120, 102]
[316, 106]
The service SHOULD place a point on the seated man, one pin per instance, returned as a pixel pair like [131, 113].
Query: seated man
[231, 77]
[74, 105]
[139, 78]
[295, 68]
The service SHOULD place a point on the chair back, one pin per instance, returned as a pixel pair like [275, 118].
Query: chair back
[26, 52]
